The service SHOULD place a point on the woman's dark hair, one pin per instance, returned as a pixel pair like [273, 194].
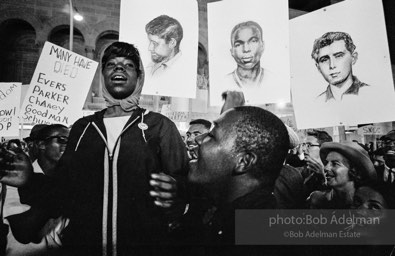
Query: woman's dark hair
[121, 49]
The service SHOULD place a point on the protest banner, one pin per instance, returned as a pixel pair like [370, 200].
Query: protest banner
[58, 87]
[10, 94]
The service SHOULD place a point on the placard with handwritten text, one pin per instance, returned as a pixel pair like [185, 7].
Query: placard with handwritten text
[58, 87]
[10, 94]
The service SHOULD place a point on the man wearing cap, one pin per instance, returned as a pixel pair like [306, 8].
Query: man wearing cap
[386, 172]
[32, 141]
[347, 168]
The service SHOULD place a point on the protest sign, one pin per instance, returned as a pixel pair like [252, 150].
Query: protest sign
[340, 73]
[59, 86]
[10, 94]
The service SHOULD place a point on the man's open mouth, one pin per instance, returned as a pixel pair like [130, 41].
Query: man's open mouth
[390, 152]
[329, 176]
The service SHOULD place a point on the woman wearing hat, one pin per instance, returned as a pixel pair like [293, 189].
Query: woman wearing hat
[347, 168]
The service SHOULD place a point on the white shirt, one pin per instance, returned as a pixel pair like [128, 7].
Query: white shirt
[114, 127]
[268, 87]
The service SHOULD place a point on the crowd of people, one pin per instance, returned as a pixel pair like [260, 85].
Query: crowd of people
[123, 182]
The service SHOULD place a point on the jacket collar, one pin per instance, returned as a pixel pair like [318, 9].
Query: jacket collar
[99, 116]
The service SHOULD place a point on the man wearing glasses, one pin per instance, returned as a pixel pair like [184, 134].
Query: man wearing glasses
[51, 146]
[313, 170]
[23, 219]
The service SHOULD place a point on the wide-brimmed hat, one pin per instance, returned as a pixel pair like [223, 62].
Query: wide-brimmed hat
[389, 136]
[357, 156]
[293, 137]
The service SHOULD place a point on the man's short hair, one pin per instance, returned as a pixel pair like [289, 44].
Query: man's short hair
[206, 123]
[122, 49]
[166, 28]
[259, 131]
[48, 130]
[328, 38]
[322, 136]
[245, 24]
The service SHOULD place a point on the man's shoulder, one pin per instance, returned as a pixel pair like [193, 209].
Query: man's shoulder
[230, 81]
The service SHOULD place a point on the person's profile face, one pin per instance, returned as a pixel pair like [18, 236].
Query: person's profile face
[159, 49]
[247, 47]
[55, 144]
[120, 77]
[335, 62]
[194, 131]
[215, 162]
[312, 147]
[336, 170]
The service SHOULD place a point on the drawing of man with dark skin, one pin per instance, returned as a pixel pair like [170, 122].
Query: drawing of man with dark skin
[334, 55]
[247, 48]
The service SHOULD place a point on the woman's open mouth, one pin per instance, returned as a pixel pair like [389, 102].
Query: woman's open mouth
[118, 78]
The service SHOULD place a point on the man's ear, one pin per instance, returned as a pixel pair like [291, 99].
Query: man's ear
[317, 66]
[172, 43]
[354, 57]
[231, 52]
[41, 144]
[245, 161]
[263, 46]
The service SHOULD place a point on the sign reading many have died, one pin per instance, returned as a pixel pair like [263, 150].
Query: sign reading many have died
[10, 94]
[59, 86]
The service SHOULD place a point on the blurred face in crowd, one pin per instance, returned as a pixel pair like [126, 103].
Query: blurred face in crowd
[337, 170]
[194, 131]
[369, 199]
[216, 161]
[120, 77]
[247, 47]
[159, 48]
[335, 62]
[53, 146]
[378, 160]
[389, 155]
[311, 147]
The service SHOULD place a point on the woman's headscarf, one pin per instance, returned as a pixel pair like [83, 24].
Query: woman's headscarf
[120, 49]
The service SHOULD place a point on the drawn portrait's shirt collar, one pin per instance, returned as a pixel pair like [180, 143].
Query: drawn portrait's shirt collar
[158, 68]
[336, 94]
[241, 84]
